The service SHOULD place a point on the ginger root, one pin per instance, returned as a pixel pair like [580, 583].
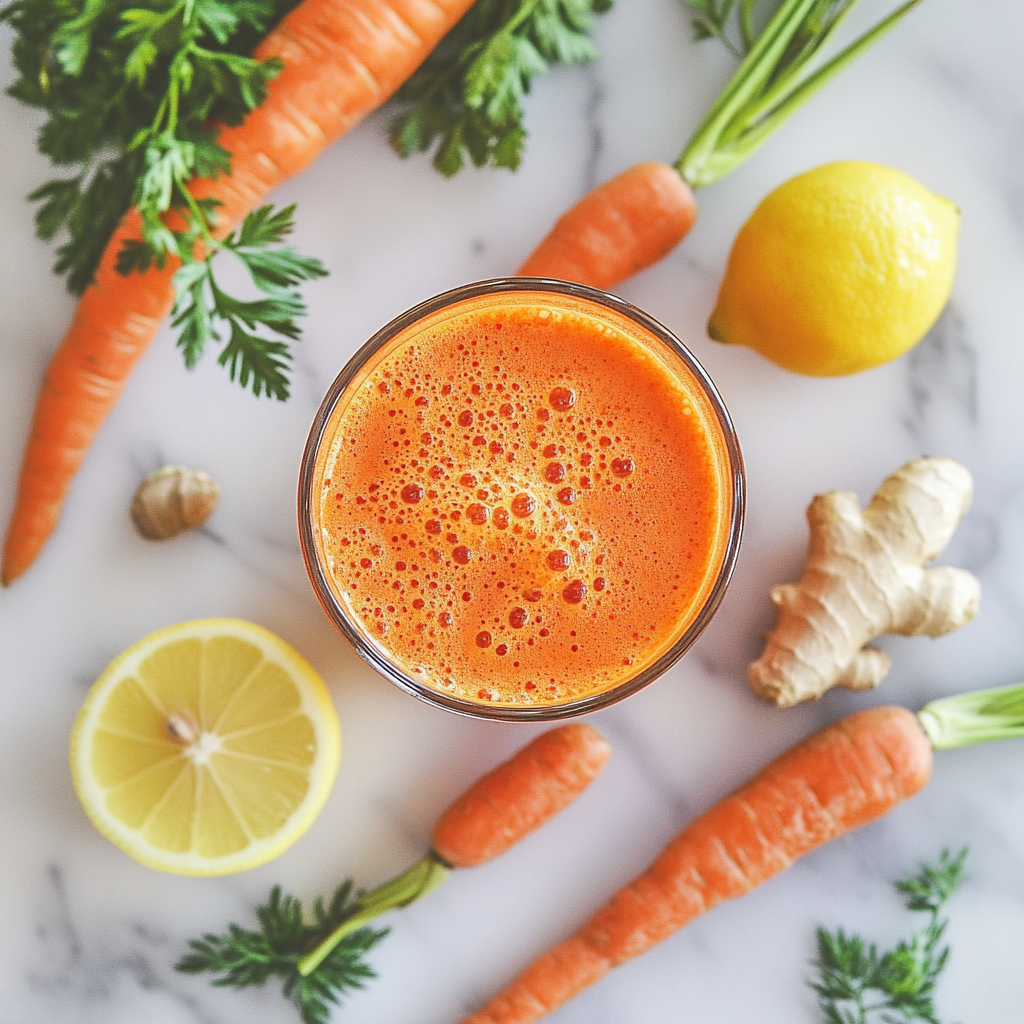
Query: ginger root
[864, 578]
[173, 499]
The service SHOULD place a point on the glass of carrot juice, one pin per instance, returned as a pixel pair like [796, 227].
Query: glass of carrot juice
[521, 500]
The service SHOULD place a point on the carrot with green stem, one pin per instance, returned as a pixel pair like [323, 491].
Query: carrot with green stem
[318, 962]
[335, 63]
[631, 221]
[844, 776]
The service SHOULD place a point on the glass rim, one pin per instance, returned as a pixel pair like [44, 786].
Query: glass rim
[343, 620]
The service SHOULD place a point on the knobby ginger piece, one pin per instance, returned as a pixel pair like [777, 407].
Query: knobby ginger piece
[173, 499]
[864, 577]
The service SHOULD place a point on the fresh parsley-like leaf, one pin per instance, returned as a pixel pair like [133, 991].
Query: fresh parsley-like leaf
[710, 20]
[251, 358]
[128, 89]
[242, 958]
[929, 889]
[856, 984]
[466, 100]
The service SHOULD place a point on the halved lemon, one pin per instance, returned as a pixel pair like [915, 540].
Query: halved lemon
[206, 748]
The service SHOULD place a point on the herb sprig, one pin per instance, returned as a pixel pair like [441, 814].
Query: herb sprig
[467, 97]
[130, 92]
[243, 958]
[318, 961]
[856, 984]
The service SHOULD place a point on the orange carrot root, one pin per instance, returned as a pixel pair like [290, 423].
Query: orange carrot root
[628, 223]
[848, 774]
[342, 61]
[520, 795]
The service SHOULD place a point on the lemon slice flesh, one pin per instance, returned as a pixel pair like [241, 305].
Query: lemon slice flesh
[206, 748]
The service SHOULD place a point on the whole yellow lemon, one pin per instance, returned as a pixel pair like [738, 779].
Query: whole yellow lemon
[839, 269]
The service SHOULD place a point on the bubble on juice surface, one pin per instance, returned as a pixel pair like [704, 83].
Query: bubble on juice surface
[524, 505]
[558, 560]
[562, 399]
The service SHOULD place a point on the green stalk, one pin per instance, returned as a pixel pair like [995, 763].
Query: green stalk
[752, 74]
[974, 717]
[797, 56]
[423, 877]
[746, 22]
[779, 103]
[771, 83]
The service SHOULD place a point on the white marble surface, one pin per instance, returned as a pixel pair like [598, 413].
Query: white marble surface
[87, 935]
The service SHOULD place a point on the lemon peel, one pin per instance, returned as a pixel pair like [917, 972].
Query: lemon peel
[206, 748]
[840, 269]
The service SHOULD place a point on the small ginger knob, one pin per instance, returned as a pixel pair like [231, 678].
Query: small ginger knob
[171, 500]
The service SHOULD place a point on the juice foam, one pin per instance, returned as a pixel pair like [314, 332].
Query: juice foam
[522, 501]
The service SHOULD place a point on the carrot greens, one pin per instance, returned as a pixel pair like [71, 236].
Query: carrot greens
[466, 100]
[318, 960]
[857, 984]
[129, 92]
[781, 71]
[243, 957]
[710, 20]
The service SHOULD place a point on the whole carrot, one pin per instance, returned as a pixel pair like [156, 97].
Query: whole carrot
[618, 229]
[342, 59]
[496, 812]
[520, 795]
[847, 774]
[631, 221]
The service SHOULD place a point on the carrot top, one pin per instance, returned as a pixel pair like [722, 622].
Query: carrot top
[974, 717]
[778, 75]
[130, 95]
[465, 102]
[320, 960]
[127, 95]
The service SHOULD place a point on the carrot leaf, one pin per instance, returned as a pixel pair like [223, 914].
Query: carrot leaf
[710, 20]
[250, 356]
[128, 89]
[466, 100]
[857, 984]
[243, 957]
[317, 960]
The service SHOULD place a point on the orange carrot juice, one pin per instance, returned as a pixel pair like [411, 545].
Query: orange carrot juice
[522, 496]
